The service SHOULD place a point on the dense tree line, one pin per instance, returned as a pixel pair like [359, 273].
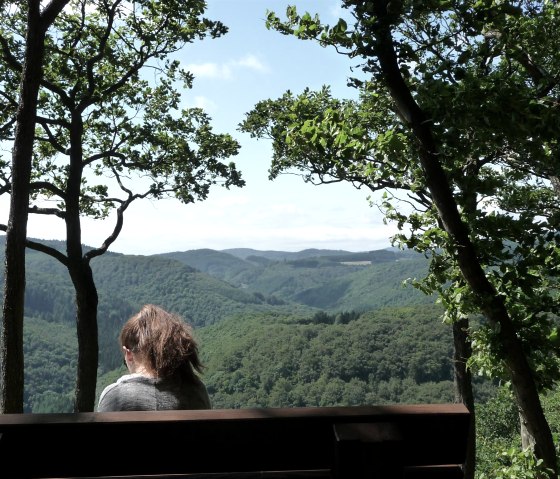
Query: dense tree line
[392, 355]
[50, 366]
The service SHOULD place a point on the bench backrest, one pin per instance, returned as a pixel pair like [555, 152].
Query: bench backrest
[342, 441]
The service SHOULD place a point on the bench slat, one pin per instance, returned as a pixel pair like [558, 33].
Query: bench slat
[249, 441]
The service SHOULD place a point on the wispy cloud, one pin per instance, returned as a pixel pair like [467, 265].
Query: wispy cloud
[203, 102]
[252, 63]
[227, 70]
[209, 70]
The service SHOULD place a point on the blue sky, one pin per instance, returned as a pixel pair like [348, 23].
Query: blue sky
[233, 73]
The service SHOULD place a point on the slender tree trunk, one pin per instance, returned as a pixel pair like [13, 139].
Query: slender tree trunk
[463, 389]
[492, 305]
[11, 340]
[82, 278]
[11, 349]
[86, 326]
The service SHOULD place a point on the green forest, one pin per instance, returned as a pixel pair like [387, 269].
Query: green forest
[279, 294]
[262, 345]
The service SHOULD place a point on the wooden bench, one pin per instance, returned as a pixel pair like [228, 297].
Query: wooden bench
[396, 441]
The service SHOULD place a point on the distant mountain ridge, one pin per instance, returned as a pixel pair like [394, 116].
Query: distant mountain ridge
[206, 285]
[244, 253]
[335, 280]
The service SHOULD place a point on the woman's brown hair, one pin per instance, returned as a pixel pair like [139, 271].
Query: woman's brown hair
[163, 341]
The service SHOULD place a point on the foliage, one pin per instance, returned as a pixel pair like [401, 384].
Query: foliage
[551, 406]
[126, 282]
[473, 188]
[131, 130]
[499, 449]
[232, 323]
[50, 359]
[518, 464]
[394, 355]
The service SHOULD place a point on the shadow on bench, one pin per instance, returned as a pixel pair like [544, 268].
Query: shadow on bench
[396, 441]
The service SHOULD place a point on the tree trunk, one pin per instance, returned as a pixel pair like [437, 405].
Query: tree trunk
[526, 439]
[11, 350]
[492, 305]
[463, 389]
[82, 278]
[11, 340]
[86, 326]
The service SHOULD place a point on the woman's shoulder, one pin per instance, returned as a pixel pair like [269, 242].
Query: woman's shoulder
[127, 379]
[134, 378]
[122, 385]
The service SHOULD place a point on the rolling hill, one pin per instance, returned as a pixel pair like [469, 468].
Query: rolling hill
[240, 299]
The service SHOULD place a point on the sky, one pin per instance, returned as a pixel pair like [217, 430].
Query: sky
[232, 74]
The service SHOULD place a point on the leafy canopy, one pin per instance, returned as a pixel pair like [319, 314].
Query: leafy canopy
[486, 74]
[111, 124]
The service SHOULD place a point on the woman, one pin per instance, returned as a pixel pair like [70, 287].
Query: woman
[162, 358]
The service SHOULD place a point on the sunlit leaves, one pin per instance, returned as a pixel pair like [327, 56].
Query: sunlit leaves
[486, 75]
[99, 113]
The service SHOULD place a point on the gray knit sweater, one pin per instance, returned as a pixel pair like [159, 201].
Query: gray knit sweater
[134, 392]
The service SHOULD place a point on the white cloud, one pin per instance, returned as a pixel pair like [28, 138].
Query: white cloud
[226, 70]
[209, 70]
[205, 103]
[252, 63]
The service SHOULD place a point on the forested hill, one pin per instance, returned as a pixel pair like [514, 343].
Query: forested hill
[207, 286]
[326, 279]
[386, 356]
[232, 297]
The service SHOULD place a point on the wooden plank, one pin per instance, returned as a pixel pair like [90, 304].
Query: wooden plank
[377, 412]
[318, 474]
[441, 471]
[216, 441]
[368, 450]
